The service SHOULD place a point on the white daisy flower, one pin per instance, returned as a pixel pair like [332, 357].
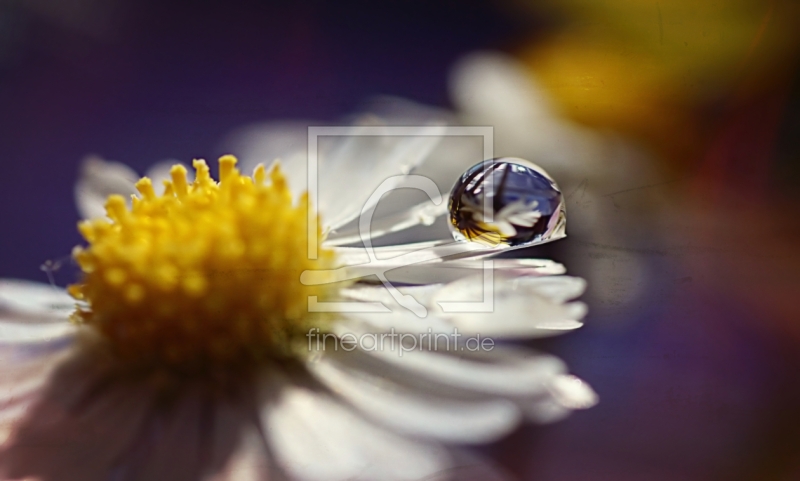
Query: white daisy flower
[194, 352]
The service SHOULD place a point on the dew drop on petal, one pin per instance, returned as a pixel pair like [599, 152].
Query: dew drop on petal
[508, 202]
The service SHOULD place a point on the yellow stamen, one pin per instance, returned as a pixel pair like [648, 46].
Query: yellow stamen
[145, 187]
[178, 174]
[259, 174]
[206, 273]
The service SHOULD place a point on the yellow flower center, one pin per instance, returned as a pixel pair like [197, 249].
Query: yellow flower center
[206, 273]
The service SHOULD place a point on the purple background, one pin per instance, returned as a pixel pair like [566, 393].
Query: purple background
[691, 387]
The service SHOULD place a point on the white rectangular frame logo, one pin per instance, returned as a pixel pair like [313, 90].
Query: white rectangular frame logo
[315, 132]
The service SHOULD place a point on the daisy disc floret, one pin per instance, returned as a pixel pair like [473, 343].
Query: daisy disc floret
[206, 273]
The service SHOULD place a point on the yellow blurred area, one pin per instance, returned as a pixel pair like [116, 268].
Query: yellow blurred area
[651, 69]
[704, 84]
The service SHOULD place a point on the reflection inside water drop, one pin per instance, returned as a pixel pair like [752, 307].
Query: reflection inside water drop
[507, 201]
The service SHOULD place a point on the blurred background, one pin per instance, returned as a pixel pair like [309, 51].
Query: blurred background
[672, 127]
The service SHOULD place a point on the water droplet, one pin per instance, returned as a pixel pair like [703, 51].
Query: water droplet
[509, 202]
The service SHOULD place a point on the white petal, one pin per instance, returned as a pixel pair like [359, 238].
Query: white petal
[515, 267]
[456, 253]
[525, 219]
[17, 359]
[396, 318]
[175, 442]
[35, 299]
[399, 320]
[13, 393]
[379, 327]
[313, 437]
[523, 307]
[10, 418]
[521, 317]
[31, 312]
[11, 332]
[23, 377]
[358, 255]
[572, 392]
[99, 179]
[452, 270]
[565, 394]
[516, 309]
[476, 375]
[377, 293]
[504, 228]
[501, 371]
[79, 428]
[435, 250]
[487, 84]
[545, 410]
[417, 413]
[555, 288]
[248, 462]
[424, 213]
[360, 162]
[237, 450]
[404, 256]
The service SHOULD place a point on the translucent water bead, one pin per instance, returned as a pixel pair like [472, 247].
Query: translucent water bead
[507, 201]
